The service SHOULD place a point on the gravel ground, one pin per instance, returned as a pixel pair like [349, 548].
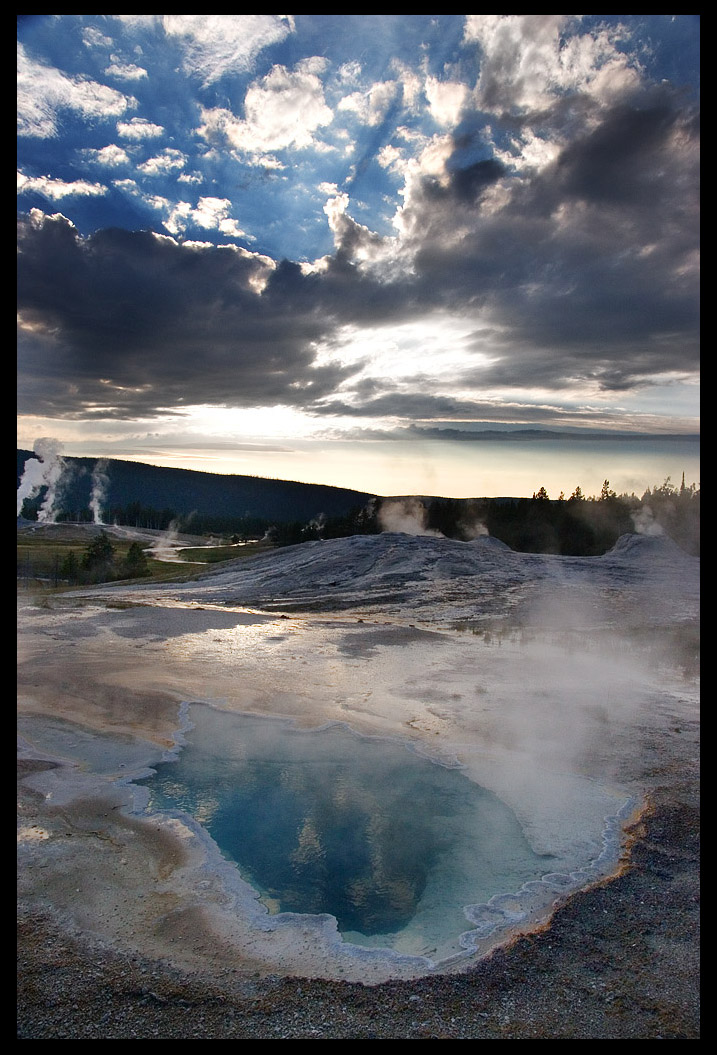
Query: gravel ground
[617, 961]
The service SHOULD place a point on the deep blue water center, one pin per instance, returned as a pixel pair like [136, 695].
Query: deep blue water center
[327, 821]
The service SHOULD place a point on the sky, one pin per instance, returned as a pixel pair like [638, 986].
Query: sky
[363, 250]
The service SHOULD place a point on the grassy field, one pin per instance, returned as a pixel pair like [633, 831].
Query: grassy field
[41, 552]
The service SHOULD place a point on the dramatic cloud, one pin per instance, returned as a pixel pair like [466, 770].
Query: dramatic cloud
[389, 220]
[161, 325]
[528, 61]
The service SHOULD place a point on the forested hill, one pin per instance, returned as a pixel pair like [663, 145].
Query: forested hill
[138, 495]
[136, 488]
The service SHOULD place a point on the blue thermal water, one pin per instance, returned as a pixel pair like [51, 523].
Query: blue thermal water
[327, 821]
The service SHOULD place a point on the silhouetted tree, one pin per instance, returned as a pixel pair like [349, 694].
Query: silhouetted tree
[99, 553]
[135, 565]
[70, 567]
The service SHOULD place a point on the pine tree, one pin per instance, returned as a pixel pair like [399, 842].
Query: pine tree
[134, 566]
[100, 553]
[70, 567]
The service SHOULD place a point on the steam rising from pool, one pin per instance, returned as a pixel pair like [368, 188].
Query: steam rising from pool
[405, 853]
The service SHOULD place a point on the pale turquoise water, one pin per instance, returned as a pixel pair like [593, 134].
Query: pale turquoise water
[326, 821]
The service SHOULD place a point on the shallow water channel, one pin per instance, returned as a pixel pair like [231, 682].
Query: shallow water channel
[392, 844]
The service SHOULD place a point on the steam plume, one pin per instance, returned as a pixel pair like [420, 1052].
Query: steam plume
[100, 483]
[473, 527]
[407, 515]
[47, 470]
[645, 523]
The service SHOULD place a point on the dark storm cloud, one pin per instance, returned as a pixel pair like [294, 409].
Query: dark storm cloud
[136, 322]
[623, 157]
[422, 406]
[590, 267]
[465, 184]
[130, 323]
[417, 405]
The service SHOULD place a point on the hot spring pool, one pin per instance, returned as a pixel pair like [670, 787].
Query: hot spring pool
[396, 847]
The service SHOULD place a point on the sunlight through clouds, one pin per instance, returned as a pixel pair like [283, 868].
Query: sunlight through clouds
[361, 224]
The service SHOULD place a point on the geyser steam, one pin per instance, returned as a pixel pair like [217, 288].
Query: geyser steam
[645, 523]
[100, 483]
[47, 470]
[409, 516]
[405, 515]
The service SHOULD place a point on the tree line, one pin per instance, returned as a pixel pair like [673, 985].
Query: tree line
[100, 563]
[136, 514]
[579, 525]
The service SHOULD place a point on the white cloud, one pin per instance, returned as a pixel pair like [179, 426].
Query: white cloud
[92, 38]
[372, 106]
[391, 157]
[283, 110]
[349, 72]
[138, 128]
[179, 217]
[380, 99]
[446, 100]
[411, 83]
[529, 60]
[126, 71]
[592, 63]
[154, 201]
[56, 189]
[217, 44]
[528, 151]
[43, 91]
[169, 160]
[109, 155]
[209, 213]
[126, 184]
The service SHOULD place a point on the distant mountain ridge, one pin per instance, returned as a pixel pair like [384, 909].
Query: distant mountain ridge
[188, 491]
